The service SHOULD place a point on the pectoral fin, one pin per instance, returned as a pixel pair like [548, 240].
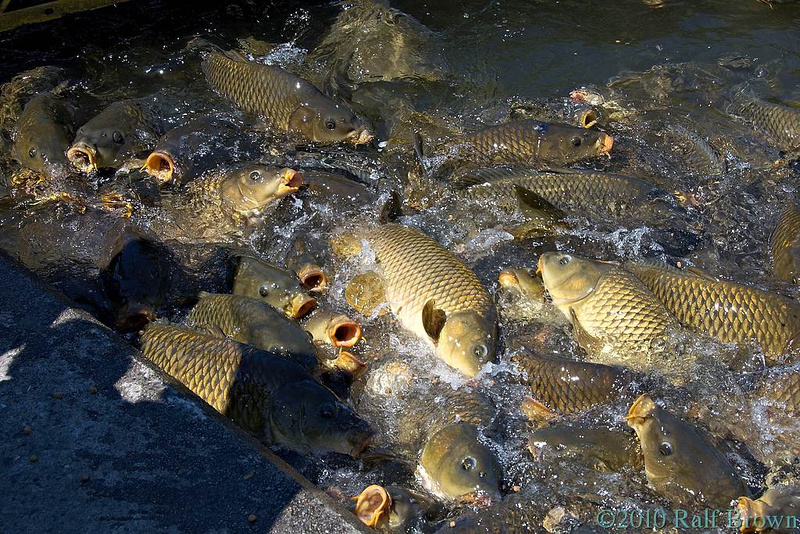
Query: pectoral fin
[433, 320]
[534, 206]
[587, 342]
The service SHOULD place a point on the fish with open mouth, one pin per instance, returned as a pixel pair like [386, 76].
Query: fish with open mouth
[278, 287]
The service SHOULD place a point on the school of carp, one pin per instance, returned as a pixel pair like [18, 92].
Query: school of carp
[500, 325]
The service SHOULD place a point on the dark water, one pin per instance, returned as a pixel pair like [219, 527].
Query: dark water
[481, 62]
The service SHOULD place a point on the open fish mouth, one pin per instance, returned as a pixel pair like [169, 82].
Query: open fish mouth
[301, 305]
[160, 166]
[347, 361]
[360, 136]
[640, 410]
[604, 144]
[508, 279]
[345, 333]
[588, 119]
[313, 278]
[291, 180]
[83, 157]
[372, 504]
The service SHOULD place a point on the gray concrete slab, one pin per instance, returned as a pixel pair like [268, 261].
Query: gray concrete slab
[95, 440]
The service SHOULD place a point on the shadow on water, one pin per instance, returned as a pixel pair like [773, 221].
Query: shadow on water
[154, 460]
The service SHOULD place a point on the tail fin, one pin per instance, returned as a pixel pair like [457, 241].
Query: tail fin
[201, 44]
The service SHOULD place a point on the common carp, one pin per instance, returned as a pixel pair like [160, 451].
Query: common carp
[731, 312]
[275, 399]
[529, 142]
[568, 386]
[278, 287]
[122, 130]
[188, 151]
[392, 508]
[603, 449]
[307, 263]
[221, 203]
[608, 306]
[785, 245]
[333, 329]
[577, 192]
[777, 510]
[42, 136]
[290, 103]
[436, 296]
[679, 462]
[253, 322]
[779, 124]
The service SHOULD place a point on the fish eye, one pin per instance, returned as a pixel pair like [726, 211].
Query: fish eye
[117, 137]
[480, 351]
[263, 290]
[32, 152]
[564, 260]
[330, 124]
[482, 474]
[255, 176]
[531, 272]
[665, 449]
[576, 141]
[327, 410]
[469, 463]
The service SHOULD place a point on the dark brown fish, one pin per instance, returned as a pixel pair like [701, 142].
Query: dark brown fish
[779, 124]
[289, 102]
[278, 287]
[42, 136]
[274, 398]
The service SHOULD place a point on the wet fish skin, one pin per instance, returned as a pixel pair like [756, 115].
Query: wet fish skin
[731, 312]
[775, 511]
[533, 142]
[419, 274]
[525, 281]
[579, 192]
[289, 102]
[785, 245]
[121, 131]
[254, 322]
[680, 463]
[511, 515]
[275, 399]
[783, 390]
[42, 136]
[780, 124]
[568, 386]
[603, 448]
[610, 305]
[278, 287]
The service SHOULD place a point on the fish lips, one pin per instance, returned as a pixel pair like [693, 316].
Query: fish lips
[301, 305]
[160, 165]
[360, 136]
[640, 410]
[291, 180]
[83, 156]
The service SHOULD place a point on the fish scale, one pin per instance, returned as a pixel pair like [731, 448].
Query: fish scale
[571, 386]
[783, 389]
[623, 311]
[785, 244]
[731, 312]
[234, 379]
[574, 190]
[257, 88]
[779, 123]
[516, 141]
[418, 269]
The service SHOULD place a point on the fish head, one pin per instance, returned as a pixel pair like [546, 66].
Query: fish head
[568, 144]
[96, 146]
[459, 467]
[466, 342]
[252, 187]
[373, 505]
[276, 286]
[160, 165]
[569, 279]
[326, 121]
[308, 416]
[523, 280]
[679, 463]
[43, 152]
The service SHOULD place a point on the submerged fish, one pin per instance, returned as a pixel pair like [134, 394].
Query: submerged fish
[219, 204]
[600, 447]
[567, 386]
[533, 142]
[777, 510]
[271, 397]
[733, 313]
[606, 304]
[121, 131]
[253, 322]
[780, 124]
[436, 296]
[679, 462]
[392, 508]
[513, 514]
[278, 287]
[524, 281]
[579, 192]
[307, 263]
[289, 102]
[42, 136]
[785, 245]
[187, 151]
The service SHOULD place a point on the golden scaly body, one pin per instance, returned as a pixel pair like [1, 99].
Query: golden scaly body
[785, 245]
[731, 312]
